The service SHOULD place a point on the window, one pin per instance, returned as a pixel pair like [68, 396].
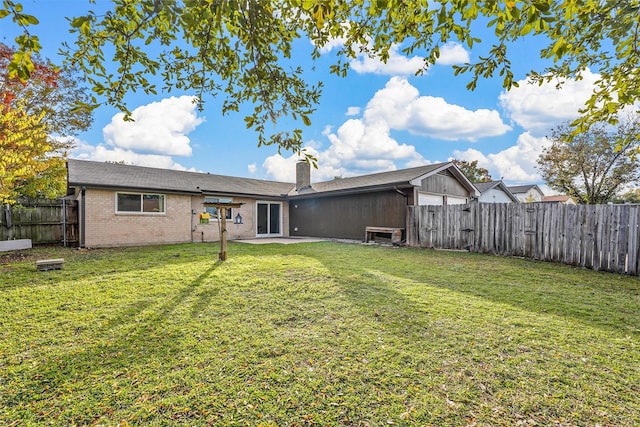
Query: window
[214, 211]
[139, 203]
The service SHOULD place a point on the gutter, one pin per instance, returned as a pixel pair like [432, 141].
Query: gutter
[196, 192]
[349, 191]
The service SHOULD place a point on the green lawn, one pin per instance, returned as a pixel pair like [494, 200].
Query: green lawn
[323, 334]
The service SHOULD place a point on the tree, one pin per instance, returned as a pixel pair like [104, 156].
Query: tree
[50, 90]
[592, 167]
[631, 196]
[242, 48]
[472, 171]
[29, 163]
[37, 116]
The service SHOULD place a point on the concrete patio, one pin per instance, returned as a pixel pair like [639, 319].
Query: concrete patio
[281, 240]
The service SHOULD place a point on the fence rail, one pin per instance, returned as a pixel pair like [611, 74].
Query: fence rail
[42, 221]
[599, 237]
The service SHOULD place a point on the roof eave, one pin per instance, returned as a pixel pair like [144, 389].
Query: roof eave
[196, 192]
[354, 190]
[473, 191]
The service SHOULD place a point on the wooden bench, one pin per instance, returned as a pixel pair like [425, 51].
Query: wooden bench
[49, 264]
[396, 233]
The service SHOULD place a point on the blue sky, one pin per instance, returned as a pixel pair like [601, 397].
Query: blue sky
[380, 117]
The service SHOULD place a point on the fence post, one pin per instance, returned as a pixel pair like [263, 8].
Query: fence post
[64, 223]
[9, 225]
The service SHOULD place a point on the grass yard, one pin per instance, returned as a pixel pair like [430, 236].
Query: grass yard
[324, 334]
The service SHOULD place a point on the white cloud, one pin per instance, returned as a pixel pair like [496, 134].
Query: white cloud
[516, 164]
[102, 153]
[281, 168]
[400, 104]
[159, 127]
[353, 111]
[541, 108]
[453, 53]
[332, 43]
[471, 155]
[396, 65]
[284, 168]
[356, 148]
[252, 168]
[360, 140]
[365, 145]
[159, 131]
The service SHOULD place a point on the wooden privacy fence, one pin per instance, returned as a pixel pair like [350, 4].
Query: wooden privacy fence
[599, 237]
[42, 221]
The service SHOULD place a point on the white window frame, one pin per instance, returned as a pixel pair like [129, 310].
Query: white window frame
[141, 212]
[281, 219]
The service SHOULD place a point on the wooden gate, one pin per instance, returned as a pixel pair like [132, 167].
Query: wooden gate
[43, 221]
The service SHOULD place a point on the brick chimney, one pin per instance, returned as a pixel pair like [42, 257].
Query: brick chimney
[303, 175]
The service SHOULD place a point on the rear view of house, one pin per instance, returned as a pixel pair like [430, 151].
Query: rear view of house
[123, 205]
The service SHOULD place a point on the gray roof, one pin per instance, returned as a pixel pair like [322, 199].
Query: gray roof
[118, 176]
[486, 186]
[522, 188]
[373, 181]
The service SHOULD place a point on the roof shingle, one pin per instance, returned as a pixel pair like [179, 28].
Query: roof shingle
[119, 176]
[113, 175]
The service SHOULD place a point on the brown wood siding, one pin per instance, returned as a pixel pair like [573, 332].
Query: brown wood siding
[346, 216]
[443, 183]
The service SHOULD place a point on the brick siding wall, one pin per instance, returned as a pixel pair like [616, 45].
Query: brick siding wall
[105, 228]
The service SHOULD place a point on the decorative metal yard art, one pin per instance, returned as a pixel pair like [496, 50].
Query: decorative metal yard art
[222, 223]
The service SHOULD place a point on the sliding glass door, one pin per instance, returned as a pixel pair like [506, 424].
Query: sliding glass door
[269, 215]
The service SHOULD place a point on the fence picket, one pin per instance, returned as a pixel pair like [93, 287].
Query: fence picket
[633, 245]
[601, 237]
[42, 221]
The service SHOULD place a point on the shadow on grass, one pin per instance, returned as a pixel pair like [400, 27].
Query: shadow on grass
[602, 300]
[154, 335]
[86, 263]
[141, 334]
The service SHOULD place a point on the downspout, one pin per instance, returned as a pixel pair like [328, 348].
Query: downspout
[192, 225]
[406, 196]
[82, 217]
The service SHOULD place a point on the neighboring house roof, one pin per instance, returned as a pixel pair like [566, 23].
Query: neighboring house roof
[84, 173]
[558, 199]
[119, 176]
[519, 189]
[483, 187]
